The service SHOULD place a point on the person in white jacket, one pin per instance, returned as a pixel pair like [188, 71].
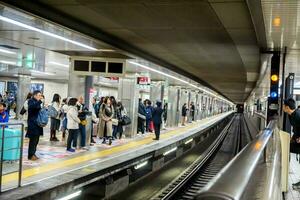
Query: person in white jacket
[72, 124]
[24, 110]
[55, 121]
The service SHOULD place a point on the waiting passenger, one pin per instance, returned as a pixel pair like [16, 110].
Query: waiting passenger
[289, 107]
[73, 122]
[157, 119]
[105, 127]
[114, 117]
[121, 112]
[141, 117]
[3, 113]
[64, 110]
[95, 120]
[24, 110]
[55, 120]
[149, 110]
[192, 112]
[82, 112]
[34, 131]
[184, 111]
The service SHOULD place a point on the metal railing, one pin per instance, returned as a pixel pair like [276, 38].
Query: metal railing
[231, 182]
[6, 148]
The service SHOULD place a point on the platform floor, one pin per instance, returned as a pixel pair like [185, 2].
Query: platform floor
[55, 161]
[294, 176]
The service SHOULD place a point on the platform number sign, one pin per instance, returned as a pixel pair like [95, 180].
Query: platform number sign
[273, 105]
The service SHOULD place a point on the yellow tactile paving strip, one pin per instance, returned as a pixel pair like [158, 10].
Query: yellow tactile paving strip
[96, 155]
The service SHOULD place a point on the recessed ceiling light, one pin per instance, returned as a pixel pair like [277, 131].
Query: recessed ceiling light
[46, 33]
[59, 64]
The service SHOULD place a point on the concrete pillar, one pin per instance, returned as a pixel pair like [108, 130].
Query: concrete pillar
[173, 107]
[76, 85]
[128, 93]
[24, 82]
[157, 92]
[88, 90]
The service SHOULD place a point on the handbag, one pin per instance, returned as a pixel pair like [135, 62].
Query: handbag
[23, 111]
[83, 122]
[125, 120]
[115, 122]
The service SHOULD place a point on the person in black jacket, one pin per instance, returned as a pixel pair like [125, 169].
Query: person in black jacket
[82, 112]
[34, 131]
[289, 107]
[157, 119]
[141, 117]
[184, 111]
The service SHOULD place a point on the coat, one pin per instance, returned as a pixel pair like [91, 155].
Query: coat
[157, 115]
[104, 119]
[72, 118]
[34, 106]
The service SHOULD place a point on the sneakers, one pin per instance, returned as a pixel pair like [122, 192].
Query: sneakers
[71, 150]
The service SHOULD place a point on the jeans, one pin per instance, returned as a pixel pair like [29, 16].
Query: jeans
[82, 132]
[72, 137]
[115, 131]
[157, 130]
[148, 124]
[33, 142]
[141, 126]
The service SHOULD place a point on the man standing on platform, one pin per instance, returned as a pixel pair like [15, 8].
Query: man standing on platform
[289, 107]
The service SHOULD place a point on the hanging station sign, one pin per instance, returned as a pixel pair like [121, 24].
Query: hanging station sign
[90, 66]
[144, 80]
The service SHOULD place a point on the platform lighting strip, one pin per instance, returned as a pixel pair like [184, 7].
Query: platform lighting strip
[59, 64]
[2, 18]
[178, 79]
[71, 196]
[170, 151]
[7, 51]
[189, 141]
[141, 165]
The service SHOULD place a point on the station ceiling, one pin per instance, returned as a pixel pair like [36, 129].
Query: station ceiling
[213, 41]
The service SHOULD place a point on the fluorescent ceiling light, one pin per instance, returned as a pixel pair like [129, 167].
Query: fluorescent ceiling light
[141, 165]
[71, 196]
[42, 73]
[46, 33]
[59, 64]
[178, 79]
[107, 50]
[7, 51]
[8, 62]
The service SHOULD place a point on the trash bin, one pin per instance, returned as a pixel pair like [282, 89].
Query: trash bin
[12, 144]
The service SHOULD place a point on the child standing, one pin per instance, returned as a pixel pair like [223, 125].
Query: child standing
[72, 124]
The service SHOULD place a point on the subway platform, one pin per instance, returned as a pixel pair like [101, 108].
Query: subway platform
[56, 167]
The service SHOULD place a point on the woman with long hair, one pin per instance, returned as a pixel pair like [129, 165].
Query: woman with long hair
[55, 121]
[106, 114]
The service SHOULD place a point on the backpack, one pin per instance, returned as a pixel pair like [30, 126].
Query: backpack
[42, 118]
[52, 112]
[148, 113]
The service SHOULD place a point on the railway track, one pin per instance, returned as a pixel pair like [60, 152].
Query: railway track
[230, 141]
